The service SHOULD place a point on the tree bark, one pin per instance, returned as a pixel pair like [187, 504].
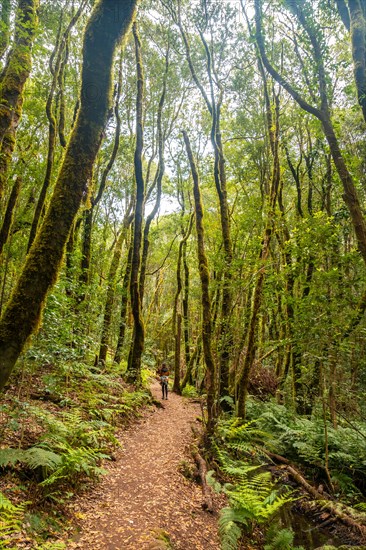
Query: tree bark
[58, 52]
[205, 295]
[23, 312]
[8, 218]
[123, 312]
[138, 338]
[13, 81]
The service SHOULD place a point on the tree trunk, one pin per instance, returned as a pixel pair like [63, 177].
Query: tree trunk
[137, 344]
[58, 52]
[205, 296]
[23, 312]
[13, 81]
[8, 218]
[124, 303]
[111, 283]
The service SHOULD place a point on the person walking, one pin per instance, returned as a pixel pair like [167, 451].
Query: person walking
[163, 373]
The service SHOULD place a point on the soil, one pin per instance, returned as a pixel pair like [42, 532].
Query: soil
[145, 501]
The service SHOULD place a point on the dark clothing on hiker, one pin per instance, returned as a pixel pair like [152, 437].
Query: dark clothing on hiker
[163, 373]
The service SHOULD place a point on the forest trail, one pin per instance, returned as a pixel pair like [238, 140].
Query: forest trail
[144, 494]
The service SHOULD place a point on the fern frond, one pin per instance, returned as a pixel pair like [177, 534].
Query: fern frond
[10, 457]
[229, 530]
[11, 518]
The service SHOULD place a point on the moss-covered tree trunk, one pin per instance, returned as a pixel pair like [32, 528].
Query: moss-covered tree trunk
[13, 80]
[9, 212]
[103, 33]
[111, 287]
[138, 338]
[213, 105]
[57, 54]
[5, 10]
[123, 311]
[210, 380]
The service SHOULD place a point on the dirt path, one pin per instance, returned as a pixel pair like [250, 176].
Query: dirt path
[144, 495]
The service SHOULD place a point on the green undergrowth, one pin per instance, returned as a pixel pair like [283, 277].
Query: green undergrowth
[241, 452]
[56, 435]
[254, 499]
[302, 440]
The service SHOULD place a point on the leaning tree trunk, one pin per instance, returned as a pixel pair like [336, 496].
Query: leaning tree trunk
[138, 338]
[205, 296]
[84, 277]
[13, 80]
[23, 312]
[8, 218]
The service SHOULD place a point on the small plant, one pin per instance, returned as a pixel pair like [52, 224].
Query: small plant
[189, 391]
[253, 498]
[282, 539]
[11, 520]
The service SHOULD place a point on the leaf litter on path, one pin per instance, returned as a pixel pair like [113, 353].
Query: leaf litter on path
[144, 502]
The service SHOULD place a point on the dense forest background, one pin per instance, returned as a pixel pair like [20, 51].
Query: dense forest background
[212, 212]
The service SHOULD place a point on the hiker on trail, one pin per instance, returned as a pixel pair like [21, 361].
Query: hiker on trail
[163, 374]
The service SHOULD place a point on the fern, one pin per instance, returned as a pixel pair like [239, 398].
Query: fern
[229, 529]
[281, 540]
[34, 457]
[253, 497]
[253, 500]
[11, 520]
[74, 464]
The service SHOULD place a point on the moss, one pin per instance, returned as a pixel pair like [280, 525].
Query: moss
[23, 312]
[18, 66]
[137, 345]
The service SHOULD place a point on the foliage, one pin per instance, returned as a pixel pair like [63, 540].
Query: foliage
[281, 540]
[253, 497]
[11, 520]
[189, 391]
[302, 440]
